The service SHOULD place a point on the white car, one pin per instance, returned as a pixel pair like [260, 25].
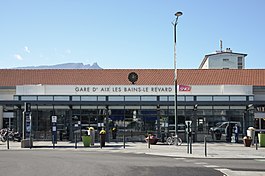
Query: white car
[221, 126]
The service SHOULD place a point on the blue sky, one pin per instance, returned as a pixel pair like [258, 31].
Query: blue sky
[128, 33]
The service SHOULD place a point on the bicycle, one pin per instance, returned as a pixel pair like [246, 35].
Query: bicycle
[174, 140]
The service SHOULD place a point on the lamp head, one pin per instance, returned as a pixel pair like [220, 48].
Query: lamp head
[178, 14]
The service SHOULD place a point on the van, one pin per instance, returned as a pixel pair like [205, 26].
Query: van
[221, 126]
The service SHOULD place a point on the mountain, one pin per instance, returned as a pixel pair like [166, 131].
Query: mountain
[64, 66]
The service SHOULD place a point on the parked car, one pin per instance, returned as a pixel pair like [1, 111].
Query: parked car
[221, 126]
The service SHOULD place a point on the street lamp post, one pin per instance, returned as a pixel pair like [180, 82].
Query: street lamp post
[178, 14]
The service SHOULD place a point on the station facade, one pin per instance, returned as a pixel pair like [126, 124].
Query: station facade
[106, 99]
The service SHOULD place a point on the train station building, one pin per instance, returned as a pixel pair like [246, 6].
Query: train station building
[106, 98]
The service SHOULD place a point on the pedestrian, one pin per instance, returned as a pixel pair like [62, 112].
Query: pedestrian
[236, 131]
[114, 132]
[228, 131]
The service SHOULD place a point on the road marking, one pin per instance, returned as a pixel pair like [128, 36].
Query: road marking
[201, 163]
[179, 158]
[262, 160]
[229, 172]
[225, 171]
[211, 166]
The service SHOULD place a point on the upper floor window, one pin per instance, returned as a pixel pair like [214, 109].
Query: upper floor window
[240, 62]
[225, 60]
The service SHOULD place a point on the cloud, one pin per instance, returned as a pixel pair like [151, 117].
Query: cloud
[18, 57]
[26, 49]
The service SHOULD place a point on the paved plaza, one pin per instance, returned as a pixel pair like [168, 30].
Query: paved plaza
[213, 150]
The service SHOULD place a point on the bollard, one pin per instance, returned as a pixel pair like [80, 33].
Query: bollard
[53, 141]
[123, 140]
[205, 147]
[30, 141]
[191, 144]
[100, 141]
[188, 143]
[148, 140]
[256, 142]
[7, 140]
[76, 141]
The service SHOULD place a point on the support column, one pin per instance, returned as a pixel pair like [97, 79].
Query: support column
[19, 119]
[158, 122]
[71, 137]
[1, 117]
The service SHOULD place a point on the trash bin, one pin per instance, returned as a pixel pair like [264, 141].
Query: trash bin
[261, 139]
[251, 133]
[86, 141]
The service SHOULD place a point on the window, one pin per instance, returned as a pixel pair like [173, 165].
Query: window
[148, 98]
[240, 62]
[163, 98]
[45, 98]
[221, 98]
[88, 98]
[28, 98]
[225, 60]
[61, 98]
[238, 98]
[116, 98]
[132, 98]
[189, 98]
[75, 98]
[204, 98]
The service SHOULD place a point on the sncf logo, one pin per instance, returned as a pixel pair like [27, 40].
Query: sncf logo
[184, 88]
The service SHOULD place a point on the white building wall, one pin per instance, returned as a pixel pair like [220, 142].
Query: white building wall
[132, 90]
[206, 65]
[7, 94]
[217, 61]
[218, 90]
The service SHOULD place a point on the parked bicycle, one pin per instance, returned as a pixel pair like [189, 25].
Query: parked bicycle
[10, 134]
[174, 139]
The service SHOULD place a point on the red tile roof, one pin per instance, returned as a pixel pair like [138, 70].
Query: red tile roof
[13, 77]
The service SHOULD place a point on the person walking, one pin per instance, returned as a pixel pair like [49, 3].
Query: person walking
[114, 132]
[228, 131]
[236, 131]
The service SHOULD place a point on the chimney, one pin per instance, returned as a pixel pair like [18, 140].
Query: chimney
[228, 50]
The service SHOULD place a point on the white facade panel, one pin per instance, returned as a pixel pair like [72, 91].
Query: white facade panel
[219, 90]
[7, 94]
[94, 90]
[133, 90]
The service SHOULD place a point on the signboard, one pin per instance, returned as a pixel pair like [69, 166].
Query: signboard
[54, 129]
[27, 121]
[184, 88]
[133, 90]
[27, 124]
[54, 119]
[188, 125]
[95, 90]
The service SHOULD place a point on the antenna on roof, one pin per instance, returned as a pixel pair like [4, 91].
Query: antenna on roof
[221, 45]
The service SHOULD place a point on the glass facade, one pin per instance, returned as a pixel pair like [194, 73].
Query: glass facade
[133, 116]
